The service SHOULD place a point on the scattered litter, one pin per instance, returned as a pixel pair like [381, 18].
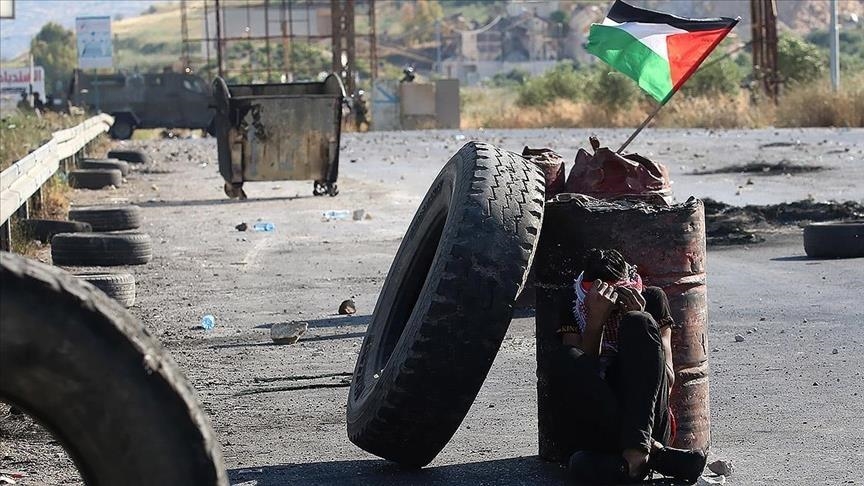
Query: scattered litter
[154, 187]
[242, 227]
[358, 214]
[7, 480]
[202, 164]
[834, 351]
[288, 332]
[334, 214]
[739, 338]
[353, 161]
[208, 322]
[459, 137]
[721, 467]
[347, 308]
[264, 226]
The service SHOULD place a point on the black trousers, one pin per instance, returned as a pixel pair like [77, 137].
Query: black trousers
[630, 406]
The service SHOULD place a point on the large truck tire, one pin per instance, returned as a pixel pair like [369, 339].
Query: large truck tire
[118, 286]
[92, 375]
[445, 305]
[122, 128]
[108, 218]
[131, 156]
[45, 229]
[834, 240]
[120, 165]
[101, 249]
[95, 178]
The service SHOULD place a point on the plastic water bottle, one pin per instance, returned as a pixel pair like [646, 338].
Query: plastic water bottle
[207, 322]
[337, 214]
[264, 226]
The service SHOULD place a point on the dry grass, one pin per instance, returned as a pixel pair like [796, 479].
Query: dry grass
[22, 132]
[813, 105]
[817, 105]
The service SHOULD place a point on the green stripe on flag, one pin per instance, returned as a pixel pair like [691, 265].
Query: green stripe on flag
[627, 54]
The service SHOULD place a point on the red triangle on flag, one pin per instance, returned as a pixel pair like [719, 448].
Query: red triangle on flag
[687, 51]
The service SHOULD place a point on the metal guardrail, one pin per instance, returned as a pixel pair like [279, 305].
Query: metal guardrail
[24, 179]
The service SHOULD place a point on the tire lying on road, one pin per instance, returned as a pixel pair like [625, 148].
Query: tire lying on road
[834, 240]
[120, 165]
[132, 156]
[44, 229]
[91, 374]
[118, 286]
[108, 218]
[101, 249]
[445, 305]
[95, 178]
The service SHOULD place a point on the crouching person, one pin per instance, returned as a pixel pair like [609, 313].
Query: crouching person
[616, 366]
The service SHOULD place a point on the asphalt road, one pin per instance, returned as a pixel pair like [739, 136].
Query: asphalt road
[784, 408]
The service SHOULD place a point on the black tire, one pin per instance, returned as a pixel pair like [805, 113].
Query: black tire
[120, 165]
[91, 374]
[445, 305]
[108, 218]
[118, 286]
[95, 178]
[101, 249]
[122, 128]
[834, 240]
[131, 156]
[44, 229]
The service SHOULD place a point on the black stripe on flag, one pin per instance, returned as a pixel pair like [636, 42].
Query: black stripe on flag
[622, 12]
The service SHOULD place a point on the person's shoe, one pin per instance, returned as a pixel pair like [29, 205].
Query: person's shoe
[678, 463]
[599, 468]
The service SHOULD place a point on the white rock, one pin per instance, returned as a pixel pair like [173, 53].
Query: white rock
[721, 467]
[709, 480]
[288, 332]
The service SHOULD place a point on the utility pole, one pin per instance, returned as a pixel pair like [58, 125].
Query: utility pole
[438, 45]
[220, 67]
[342, 16]
[763, 19]
[835, 48]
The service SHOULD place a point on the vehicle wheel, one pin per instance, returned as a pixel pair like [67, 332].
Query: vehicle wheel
[92, 375]
[332, 189]
[131, 156]
[446, 304]
[834, 240]
[95, 178]
[120, 165]
[108, 218]
[44, 229]
[122, 128]
[101, 249]
[118, 286]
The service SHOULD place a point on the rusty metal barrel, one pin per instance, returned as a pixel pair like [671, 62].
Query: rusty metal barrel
[667, 243]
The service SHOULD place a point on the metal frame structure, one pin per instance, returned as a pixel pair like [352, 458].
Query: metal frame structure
[764, 44]
[196, 29]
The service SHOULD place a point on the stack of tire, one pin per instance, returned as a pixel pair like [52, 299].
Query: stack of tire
[446, 304]
[112, 242]
[98, 173]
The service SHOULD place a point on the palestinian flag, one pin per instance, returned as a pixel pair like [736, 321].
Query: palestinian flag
[660, 51]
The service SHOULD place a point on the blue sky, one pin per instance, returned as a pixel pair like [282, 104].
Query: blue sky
[31, 15]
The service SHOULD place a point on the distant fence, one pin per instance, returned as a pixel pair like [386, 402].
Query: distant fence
[21, 184]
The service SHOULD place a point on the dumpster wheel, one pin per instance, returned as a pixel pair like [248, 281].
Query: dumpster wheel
[234, 190]
[320, 188]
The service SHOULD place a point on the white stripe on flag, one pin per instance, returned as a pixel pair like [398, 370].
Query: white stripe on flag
[652, 35]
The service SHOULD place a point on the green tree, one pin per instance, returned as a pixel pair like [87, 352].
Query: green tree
[53, 48]
[419, 20]
[798, 60]
[720, 75]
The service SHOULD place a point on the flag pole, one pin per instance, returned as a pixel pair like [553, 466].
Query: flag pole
[644, 124]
